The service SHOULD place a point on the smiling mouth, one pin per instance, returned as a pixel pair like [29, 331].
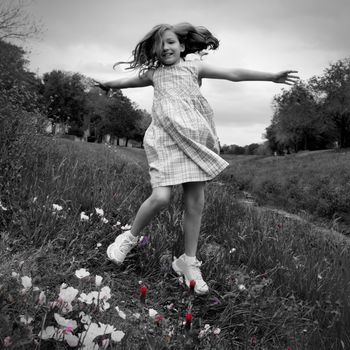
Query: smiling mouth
[166, 55]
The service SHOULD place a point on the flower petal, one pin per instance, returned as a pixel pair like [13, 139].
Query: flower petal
[117, 336]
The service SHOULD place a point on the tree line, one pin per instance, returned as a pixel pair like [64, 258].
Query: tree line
[69, 98]
[311, 115]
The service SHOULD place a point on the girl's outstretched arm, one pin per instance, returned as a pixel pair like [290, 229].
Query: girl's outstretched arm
[127, 82]
[237, 74]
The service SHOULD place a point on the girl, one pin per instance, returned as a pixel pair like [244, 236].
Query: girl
[181, 143]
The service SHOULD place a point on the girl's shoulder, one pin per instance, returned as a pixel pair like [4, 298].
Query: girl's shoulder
[194, 64]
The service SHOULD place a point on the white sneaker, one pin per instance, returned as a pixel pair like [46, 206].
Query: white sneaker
[122, 245]
[191, 272]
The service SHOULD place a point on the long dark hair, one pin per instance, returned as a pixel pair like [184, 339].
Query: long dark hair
[146, 53]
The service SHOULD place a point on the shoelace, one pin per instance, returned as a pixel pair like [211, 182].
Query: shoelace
[126, 245]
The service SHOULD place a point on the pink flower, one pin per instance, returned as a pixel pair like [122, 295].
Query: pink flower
[68, 329]
[158, 319]
[7, 342]
[253, 340]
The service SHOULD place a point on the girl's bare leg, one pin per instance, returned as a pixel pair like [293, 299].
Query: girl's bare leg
[194, 204]
[158, 200]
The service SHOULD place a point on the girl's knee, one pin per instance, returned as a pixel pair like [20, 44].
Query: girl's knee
[194, 204]
[160, 198]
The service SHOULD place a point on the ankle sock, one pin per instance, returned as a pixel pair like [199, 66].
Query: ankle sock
[189, 259]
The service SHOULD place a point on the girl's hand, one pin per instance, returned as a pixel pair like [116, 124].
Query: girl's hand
[101, 86]
[286, 77]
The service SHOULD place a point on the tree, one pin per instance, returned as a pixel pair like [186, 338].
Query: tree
[16, 22]
[333, 92]
[295, 122]
[18, 85]
[65, 97]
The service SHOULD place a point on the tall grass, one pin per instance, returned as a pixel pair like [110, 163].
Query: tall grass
[273, 283]
[315, 182]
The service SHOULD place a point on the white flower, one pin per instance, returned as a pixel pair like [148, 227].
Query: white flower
[61, 321]
[120, 313]
[206, 327]
[67, 295]
[92, 331]
[98, 245]
[35, 199]
[48, 332]
[232, 250]
[217, 331]
[319, 276]
[99, 212]
[241, 287]
[26, 282]
[87, 298]
[2, 207]
[136, 315]
[71, 339]
[83, 217]
[117, 336]
[84, 318]
[59, 334]
[57, 207]
[98, 298]
[126, 227]
[152, 313]
[14, 274]
[42, 298]
[98, 280]
[104, 220]
[82, 273]
[170, 306]
[105, 293]
[204, 331]
[26, 319]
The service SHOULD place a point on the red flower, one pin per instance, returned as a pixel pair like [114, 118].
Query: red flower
[143, 293]
[253, 340]
[289, 348]
[188, 323]
[192, 285]
[188, 318]
[158, 319]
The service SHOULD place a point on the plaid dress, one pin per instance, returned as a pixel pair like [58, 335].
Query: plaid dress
[181, 143]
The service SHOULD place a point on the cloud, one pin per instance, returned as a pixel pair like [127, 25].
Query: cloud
[89, 36]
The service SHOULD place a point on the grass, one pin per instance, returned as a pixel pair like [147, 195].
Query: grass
[316, 183]
[274, 283]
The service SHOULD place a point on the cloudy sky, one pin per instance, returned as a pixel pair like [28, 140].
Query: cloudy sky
[89, 36]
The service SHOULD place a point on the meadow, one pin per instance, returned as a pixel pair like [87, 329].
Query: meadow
[313, 184]
[274, 283]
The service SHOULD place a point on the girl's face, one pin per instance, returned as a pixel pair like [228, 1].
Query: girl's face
[171, 49]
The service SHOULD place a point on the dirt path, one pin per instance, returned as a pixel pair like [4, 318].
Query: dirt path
[249, 202]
